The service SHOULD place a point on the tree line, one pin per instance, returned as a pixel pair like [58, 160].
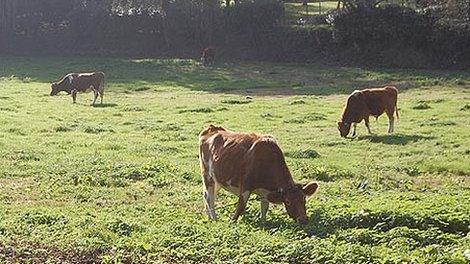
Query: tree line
[435, 33]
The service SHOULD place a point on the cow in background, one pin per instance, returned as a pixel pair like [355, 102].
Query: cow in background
[208, 56]
[242, 164]
[73, 83]
[362, 104]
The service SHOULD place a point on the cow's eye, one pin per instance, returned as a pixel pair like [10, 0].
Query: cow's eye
[287, 202]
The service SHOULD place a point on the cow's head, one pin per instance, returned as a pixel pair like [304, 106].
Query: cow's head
[55, 89]
[344, 128]
[294, 200]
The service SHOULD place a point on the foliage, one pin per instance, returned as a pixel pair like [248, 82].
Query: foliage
[397, 36]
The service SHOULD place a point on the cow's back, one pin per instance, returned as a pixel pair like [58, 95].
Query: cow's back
[225, 155]
[235, 159]
[83, 81]
[268, 168]
[380, 99]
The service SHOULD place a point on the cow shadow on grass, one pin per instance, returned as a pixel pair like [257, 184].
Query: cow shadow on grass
[323, 225]
[395, 139]
[105, 105]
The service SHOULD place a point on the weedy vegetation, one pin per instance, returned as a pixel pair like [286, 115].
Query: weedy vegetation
[120, 182]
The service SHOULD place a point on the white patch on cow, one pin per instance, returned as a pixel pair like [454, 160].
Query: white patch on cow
[210, 169]
[70, 77]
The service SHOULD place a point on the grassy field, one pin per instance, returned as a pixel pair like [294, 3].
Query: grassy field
[120, 182]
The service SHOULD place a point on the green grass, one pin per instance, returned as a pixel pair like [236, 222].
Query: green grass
[120, 182]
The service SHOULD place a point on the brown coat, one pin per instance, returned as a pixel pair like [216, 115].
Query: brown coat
[362, 104]
[245, 163]
[73, 83]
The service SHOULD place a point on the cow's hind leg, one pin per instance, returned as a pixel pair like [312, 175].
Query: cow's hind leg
[74, 95]
[391, 125]
[209, 193]
[101, 96]
[101, 90]
[391, 121]
[209, 186]
[264, 208]
[241, 205]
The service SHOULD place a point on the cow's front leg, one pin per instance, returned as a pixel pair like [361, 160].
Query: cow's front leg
[366, 121]
[264, 208]
[74, 95]
[241, 205]
[354, 125]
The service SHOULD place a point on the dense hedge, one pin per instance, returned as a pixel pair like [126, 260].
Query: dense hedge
[397, 36]
[253, 29]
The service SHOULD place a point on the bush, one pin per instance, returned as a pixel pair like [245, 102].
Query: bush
[398, 36]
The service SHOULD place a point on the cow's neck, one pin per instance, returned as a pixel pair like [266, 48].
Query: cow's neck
[286, 182]
[348, 117]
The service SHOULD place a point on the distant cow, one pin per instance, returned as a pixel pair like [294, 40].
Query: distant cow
[208, 56]
[368, 102]
[242, 164]
[80, 82]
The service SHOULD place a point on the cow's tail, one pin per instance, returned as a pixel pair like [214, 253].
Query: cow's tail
[395, 94]
[102, 83]
[396, 112]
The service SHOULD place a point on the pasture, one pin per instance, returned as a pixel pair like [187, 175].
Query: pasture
[120, 182]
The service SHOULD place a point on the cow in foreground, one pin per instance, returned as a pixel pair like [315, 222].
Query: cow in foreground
[73, 83]
[242, 164]
[362, 104]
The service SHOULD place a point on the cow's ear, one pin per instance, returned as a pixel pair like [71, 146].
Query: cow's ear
[339, 123]
[310, 188]
[275, 197]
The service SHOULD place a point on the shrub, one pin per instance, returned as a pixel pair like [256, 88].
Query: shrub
[421, 105]
[303, 154]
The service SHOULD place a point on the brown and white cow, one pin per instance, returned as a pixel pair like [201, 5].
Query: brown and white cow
[362, 104]
[73, 83]
[242, 164]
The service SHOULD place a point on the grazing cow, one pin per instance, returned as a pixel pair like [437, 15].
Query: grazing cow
[80, 82]
[208, 56]
[242, 164]
[368, 102]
